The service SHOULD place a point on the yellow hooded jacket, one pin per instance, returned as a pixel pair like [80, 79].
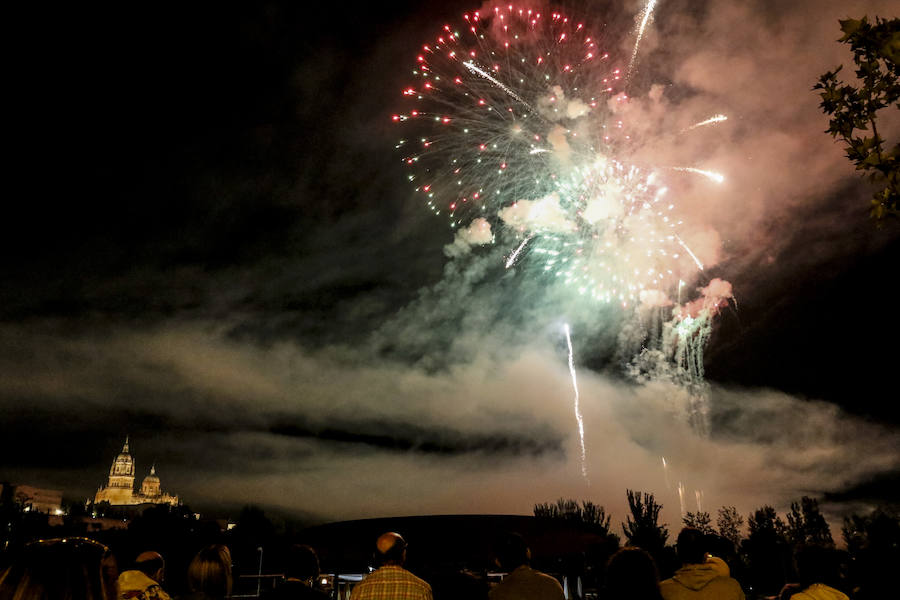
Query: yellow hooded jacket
[820, 591]
[134, 585]
[701, 582]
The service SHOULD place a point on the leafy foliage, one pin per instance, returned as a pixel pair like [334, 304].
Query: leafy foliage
[806, 525]
[699, 520]
[873, 543]
[730, 523]
[594, 517]
[642, 528]
[879, 531]
[854, 108]
[765, 523]
[767, 550]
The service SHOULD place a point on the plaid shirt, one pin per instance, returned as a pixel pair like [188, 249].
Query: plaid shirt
[391, 582]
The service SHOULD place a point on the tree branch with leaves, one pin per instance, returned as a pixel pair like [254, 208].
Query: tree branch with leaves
[854, 107]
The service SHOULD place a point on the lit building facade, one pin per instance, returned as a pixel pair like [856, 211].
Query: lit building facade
[119, 490]
[38, 499]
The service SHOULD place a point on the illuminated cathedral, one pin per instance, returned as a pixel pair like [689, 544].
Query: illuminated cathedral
[120, 488]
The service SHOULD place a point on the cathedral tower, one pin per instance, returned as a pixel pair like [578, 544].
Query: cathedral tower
[120, 488]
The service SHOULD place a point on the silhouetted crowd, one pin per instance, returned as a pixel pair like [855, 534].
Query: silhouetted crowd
[79, 568]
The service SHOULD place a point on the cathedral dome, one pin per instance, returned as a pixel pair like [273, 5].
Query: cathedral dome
[150, 486]
[152, 477]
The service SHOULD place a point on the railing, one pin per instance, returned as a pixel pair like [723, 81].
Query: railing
[338, 586]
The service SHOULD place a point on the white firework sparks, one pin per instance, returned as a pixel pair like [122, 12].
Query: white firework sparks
[693, 256]
[711, 175]
[645, 18]
[512, 257]
[578, 416]
[710, 121]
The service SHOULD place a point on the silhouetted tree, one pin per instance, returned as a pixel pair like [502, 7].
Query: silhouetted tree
[563, 509]
[806, 525]
[595, 515]
[699, 520]
[592, 516]
[588, 517]
[873, 543]
[642, 528]
[12, 518]
[880, 529]
[765, 523]
[730, 523]
[767, 551]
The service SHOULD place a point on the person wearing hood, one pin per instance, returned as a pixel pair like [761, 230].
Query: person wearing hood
[816, 566]
[143, 582]
[698, 578]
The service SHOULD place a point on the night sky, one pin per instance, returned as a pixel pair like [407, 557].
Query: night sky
[209, 244]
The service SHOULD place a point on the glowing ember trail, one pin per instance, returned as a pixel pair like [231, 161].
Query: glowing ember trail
[478, 70]
[648, 10]
[711, 175]
[578, 416]
[710, 121]
[693, 256]
[512, 257]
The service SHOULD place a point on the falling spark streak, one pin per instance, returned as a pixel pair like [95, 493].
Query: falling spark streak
[648, 10]
[712, 175]
[698, 494]
[512, 257]
[577, 406]
[478, 70]
[666, 472]
[710, 121]
[681, 497]
[694, 256]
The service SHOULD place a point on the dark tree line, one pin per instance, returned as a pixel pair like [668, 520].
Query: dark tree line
[760, 556]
